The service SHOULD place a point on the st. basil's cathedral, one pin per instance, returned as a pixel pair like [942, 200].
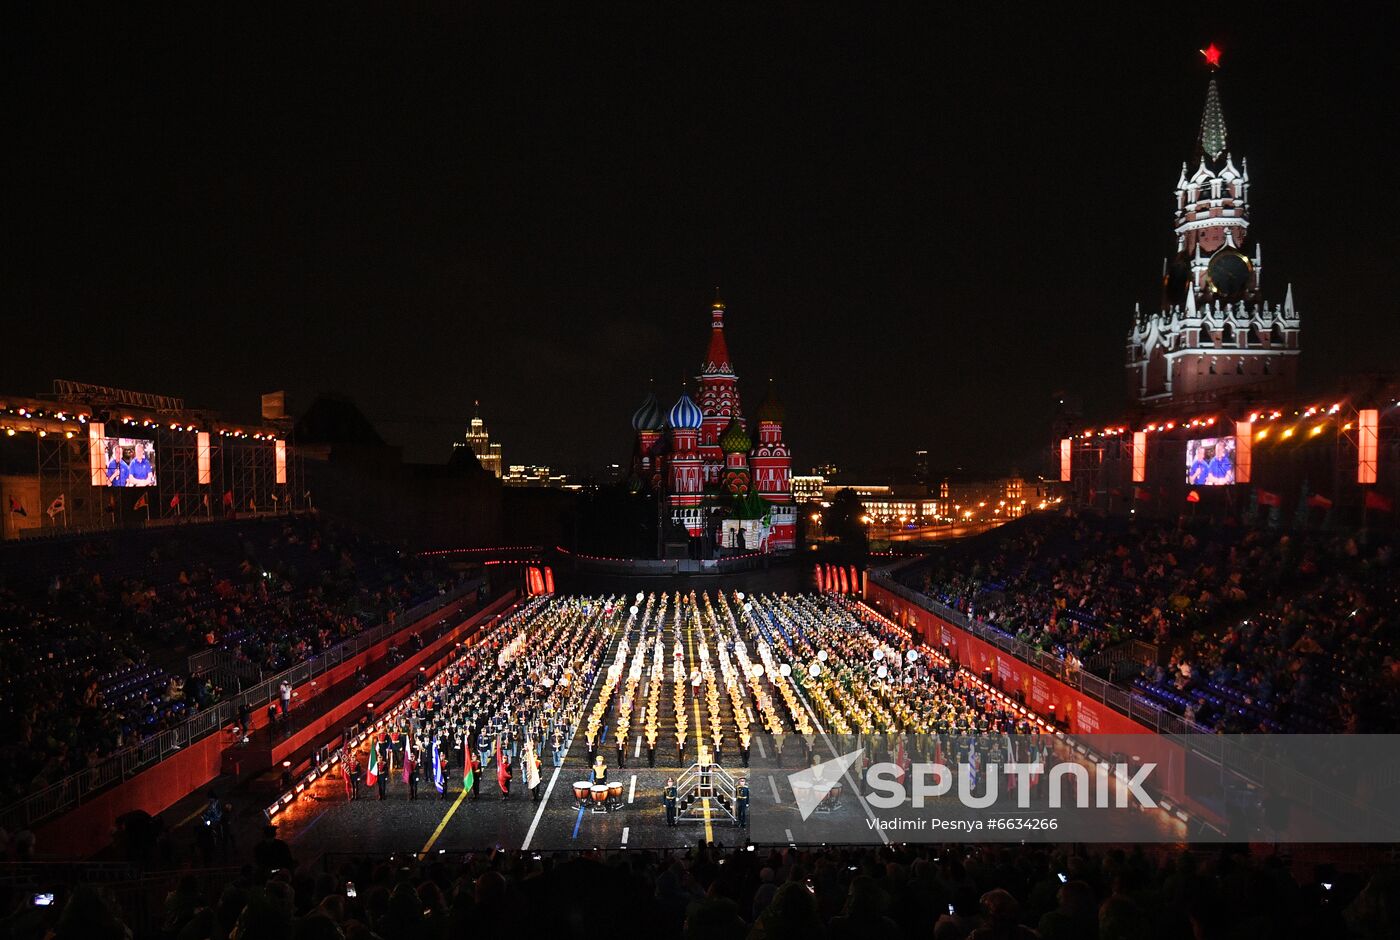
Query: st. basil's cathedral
[701, 459]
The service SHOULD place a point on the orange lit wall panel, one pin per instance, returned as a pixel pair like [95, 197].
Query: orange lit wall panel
[1367, 444]
[97, 467]
[1065, 459]
[1139, 456]
[281, 461]
[201, 450]
[1244, 459]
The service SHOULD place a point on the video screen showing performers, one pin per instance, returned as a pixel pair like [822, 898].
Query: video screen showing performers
[1210, 461]
[128, 461]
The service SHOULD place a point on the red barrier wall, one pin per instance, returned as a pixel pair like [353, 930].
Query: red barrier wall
[1083, 714]
[334, 719]
[88, 828]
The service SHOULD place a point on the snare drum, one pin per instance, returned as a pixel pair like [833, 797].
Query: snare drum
[600, 792]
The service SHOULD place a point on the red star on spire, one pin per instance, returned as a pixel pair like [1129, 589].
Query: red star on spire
[1212, 54]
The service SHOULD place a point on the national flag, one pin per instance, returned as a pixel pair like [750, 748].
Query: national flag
[1269, 499]
[532, 770]
[205, 501]
[1378, 502]
[57, 506]
[437, 767]
[175, 501]
[407, 760]
[141, 503]
[502, 771]
[468, 774]
[274, 498]
[372, 768]
[1319, 501]
[252, 504]
[1193, 497]
[17, 507]
[228, 498]
[1142, 494]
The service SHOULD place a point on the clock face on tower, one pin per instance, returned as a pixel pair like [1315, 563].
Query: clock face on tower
[1228, 275]
[1212, 239]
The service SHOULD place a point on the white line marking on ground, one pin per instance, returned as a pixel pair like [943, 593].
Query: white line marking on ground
[789, 834]
[632, 790]
[637, 751]
[758, 743]
[540, 812]
[626, 829]
[774, 784]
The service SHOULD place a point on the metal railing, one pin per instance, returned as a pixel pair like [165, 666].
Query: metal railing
[1255, 760]
[122, 765]
[1132, 704]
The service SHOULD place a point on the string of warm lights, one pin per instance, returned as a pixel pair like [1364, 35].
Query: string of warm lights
[1209, 421]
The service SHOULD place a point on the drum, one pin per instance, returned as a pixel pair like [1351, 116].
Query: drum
[600, 792]
[835, 793]
[615, 790]
[581, 790]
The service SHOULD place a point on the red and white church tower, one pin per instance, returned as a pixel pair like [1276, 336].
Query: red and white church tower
[701, 458]
[1214, 336]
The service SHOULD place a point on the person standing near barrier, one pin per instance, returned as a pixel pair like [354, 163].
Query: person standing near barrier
[351, 768]
[410, 771]
[382, 751]
[284, 695]
[741, 802]
[476, 777]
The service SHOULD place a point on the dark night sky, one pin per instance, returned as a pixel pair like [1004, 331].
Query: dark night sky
[923, 226]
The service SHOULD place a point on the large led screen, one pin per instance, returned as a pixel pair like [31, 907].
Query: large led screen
[1210, 461]
[127, 461]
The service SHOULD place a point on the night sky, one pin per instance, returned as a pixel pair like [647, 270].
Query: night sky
[923, 227]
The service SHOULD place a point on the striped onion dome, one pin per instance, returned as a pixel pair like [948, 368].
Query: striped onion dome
[648, 417]
[685, 414]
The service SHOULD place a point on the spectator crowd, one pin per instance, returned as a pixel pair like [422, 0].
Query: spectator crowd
[96, 632]
[943, 892]
[1258, 629]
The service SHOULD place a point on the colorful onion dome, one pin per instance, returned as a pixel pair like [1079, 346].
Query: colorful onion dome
[734, 440]
[771, 409]
[685, 414]
[648, 417]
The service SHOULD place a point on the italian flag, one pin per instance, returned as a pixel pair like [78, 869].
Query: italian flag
[372, 768]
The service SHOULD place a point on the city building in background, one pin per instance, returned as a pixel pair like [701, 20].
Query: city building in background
[533, 475]
[488, 452]
[1214, 335]
[718, 478]
[808, 489]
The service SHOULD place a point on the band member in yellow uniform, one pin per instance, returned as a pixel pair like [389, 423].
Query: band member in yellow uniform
[600, 770]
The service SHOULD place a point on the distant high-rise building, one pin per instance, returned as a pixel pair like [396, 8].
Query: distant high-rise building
[488, 453]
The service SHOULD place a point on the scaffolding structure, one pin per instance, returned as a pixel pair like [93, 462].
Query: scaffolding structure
[204, 469]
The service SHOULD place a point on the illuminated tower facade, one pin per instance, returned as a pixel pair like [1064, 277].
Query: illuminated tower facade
[718, 396]
[685, 466]
[1214, 335]
[488, 453]
[702, 457]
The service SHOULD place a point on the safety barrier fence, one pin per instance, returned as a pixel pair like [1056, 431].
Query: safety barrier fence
[67, 793]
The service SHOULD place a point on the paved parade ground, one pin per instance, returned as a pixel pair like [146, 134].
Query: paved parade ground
[795, 678]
